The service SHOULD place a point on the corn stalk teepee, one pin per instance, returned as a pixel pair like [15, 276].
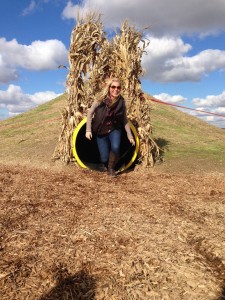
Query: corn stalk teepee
[93, 59]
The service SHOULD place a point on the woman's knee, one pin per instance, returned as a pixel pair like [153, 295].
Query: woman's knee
[115, 138]
[115, 148]
[103, 147]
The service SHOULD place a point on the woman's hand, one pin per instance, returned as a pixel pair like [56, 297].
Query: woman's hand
[88, 135]
[132, 141]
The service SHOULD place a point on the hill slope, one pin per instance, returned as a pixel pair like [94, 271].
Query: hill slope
[31, 137]
[190, 144]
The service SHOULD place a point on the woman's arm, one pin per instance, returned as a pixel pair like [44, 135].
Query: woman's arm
[89, 119]
[127, 127]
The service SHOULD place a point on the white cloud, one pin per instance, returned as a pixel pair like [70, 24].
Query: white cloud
[214, 104]
[170, 99]
[39, 56]
[211, 101]
[7, 73]
[42, 97]
[29, 9]
[167, 61]
[16, 101]
[211, 119]
[70, 11]
[37, 5]
[176, 17]
[214, 116]
[160, 54]
[220, 110]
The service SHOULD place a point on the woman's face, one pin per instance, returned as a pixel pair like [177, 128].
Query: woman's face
[114, 89]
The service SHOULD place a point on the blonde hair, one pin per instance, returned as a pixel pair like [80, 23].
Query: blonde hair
[105, 91]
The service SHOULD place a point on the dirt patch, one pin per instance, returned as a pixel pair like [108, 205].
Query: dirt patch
[76, 234]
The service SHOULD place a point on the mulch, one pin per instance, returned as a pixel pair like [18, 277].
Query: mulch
[79, 234]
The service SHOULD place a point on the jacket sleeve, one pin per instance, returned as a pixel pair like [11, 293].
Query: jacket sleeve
[90, 115]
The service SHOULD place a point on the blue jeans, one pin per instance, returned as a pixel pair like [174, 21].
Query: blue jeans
[107, 143]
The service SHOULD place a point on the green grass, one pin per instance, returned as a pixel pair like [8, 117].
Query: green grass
[185, 137]
[32, 120]
[41, 112]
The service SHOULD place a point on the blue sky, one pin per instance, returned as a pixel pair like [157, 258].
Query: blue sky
[184, 65]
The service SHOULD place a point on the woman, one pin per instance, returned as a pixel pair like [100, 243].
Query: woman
[110, 117]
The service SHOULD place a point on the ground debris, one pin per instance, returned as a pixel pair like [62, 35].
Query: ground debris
[66, 235]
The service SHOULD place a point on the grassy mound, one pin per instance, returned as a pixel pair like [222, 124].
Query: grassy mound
[189, 144]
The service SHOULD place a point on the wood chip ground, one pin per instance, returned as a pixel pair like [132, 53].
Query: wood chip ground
[78, 234]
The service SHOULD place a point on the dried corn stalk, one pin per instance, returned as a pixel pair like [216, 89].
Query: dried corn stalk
[102, 69]
[128, 48]
[92, 60]
[86, 38]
